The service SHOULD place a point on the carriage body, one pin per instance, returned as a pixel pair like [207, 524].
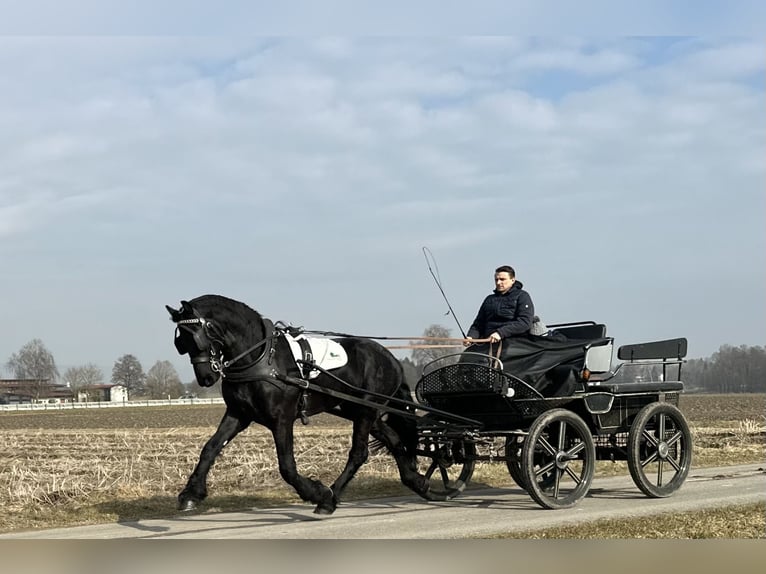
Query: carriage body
[553, 437]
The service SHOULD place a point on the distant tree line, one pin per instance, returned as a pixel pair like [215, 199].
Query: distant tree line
[35, 361]
[729, 370]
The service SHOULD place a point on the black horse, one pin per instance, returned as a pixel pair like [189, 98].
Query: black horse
[227, 341]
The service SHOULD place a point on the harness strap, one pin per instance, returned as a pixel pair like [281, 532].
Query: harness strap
[308, 356]
[271, 334]
[302, 405]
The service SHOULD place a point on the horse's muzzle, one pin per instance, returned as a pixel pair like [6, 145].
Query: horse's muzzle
[209, 381]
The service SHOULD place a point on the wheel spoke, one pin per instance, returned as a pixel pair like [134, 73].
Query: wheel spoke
[544, 469]
[650, 437]
[543, 442]
[674, 439]
[434, 465]
[562, 435]
[674, 463]
[651, 458]
[445, 476]
[573, 475]
[659, 473]
[572, 452]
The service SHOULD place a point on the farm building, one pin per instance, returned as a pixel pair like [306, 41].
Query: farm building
[102, 394]
[17, 391]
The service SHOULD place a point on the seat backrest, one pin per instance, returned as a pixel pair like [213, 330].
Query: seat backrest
[667, 349]
[597, 331]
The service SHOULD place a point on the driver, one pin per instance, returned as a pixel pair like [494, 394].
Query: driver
[506, 312]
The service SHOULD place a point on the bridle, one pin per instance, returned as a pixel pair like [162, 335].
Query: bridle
[209, 340]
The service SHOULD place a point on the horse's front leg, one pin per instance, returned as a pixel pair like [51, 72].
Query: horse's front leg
[357, 455]
[307, 488]
[196, 487]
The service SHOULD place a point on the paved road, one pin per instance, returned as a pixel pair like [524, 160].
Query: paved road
[475, 513]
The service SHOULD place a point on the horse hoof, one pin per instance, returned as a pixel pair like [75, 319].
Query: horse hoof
[428, 495]
[322, 511]
[187, 505]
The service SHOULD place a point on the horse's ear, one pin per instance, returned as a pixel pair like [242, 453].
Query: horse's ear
[186, 306]
[174, 313]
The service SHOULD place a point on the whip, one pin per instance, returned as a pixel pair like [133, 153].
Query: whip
[427, 253]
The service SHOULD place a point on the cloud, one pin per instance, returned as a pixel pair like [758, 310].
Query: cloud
[579, 59]
[153, 168]
[731, 61]
[16, 219]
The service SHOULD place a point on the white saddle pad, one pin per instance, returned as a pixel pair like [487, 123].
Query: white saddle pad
[326, 353]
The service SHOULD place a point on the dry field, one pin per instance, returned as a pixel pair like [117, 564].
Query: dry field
[87, 466]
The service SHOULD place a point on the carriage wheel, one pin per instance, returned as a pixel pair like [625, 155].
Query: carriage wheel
[558, 459]
[659, 449]
[513, 450]
[450, 468]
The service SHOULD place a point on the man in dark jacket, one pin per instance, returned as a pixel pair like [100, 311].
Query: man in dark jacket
[508, 311]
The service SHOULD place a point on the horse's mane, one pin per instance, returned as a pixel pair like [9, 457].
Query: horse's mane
[228, 311]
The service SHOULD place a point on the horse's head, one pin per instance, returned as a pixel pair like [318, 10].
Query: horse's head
[202, 339]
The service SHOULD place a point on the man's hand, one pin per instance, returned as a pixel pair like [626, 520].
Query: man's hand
[494, 338]
[468, 341]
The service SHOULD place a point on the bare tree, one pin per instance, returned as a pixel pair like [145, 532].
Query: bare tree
[129, 373]
[33, 361]
[429, 352]
[79, 378]
[162, 381]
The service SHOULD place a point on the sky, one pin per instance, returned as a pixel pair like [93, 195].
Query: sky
[623, 176]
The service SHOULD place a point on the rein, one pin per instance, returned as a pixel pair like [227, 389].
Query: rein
[439, 342]
[280, 328]
[269, 338]
[418, 338]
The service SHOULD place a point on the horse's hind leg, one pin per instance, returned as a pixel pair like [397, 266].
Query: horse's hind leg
[307, 488]
[405, 458]
[196, 487]
[357, 455]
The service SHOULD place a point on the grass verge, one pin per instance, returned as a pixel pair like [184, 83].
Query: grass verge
[741, 521]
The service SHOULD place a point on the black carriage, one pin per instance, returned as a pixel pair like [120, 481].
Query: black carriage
[554, 408]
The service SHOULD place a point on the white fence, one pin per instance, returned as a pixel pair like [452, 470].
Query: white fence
[108, 405]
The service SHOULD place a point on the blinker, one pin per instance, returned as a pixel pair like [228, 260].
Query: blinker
[200, 340]
[177, 342]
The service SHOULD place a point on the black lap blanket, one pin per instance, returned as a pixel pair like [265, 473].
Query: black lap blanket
[549, 364]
